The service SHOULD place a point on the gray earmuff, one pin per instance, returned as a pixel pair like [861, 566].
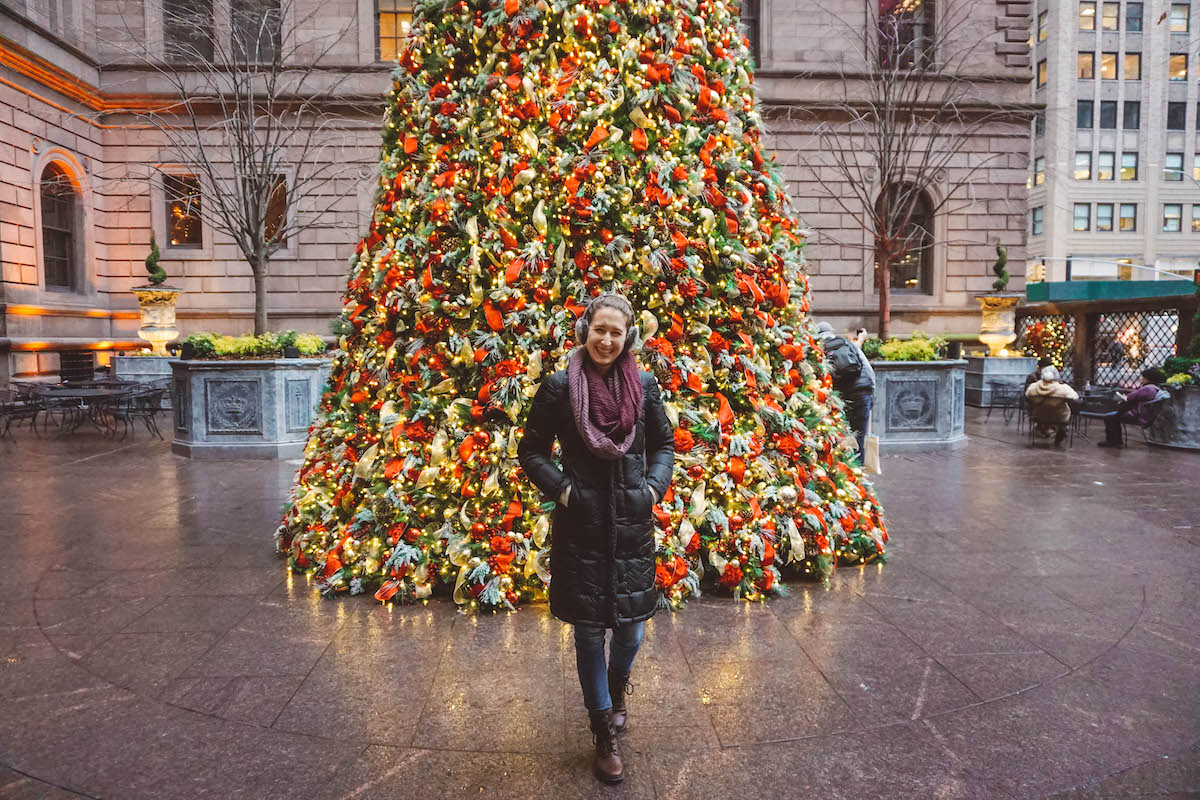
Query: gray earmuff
[585, 320]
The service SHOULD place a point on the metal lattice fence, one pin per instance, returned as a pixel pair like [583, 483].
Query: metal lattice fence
[1126, 342]
[1050, 335]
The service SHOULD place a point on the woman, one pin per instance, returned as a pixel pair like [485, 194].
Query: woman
[617, 454]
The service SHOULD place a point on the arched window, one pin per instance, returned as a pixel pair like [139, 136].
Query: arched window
[60, 228]
[904, 219]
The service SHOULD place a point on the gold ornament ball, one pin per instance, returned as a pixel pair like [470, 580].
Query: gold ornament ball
[789, 495]
[606, 272]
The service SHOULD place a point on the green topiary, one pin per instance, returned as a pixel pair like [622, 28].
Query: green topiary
[157, 273]
[1002, 276]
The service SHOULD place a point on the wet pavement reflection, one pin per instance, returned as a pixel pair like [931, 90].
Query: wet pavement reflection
[1035, 633]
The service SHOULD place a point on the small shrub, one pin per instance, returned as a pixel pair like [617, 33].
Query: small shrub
[1178, 364]
[919, 347]
[268, 345]
[873, 348]
[204, 344]
[310, 344]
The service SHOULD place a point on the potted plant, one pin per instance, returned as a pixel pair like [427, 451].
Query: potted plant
[246, 396]
[157, 305]
[919, 393]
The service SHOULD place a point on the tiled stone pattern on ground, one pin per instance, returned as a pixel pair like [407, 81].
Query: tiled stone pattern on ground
[1035, 632]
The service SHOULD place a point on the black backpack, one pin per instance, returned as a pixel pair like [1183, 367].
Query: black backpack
[844, 359]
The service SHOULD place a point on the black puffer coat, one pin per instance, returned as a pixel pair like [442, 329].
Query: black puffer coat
[602, 563]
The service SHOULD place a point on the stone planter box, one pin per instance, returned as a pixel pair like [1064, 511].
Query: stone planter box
[919, 405]
[983, 371]
[144, 369]
[245, 409]
[1178, 424]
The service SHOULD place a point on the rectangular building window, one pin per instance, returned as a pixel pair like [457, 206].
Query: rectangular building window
[1172, 217]
[1133, 17]
[1087, 15]
[257, 27]
[182, 196]
[1176, 116]
[276, 223]
[1173, 167]
[1043, 26]
[1180, 12]
[1083, 166]
[1127, 221]
[1108, 114]
[1108, 66]
[1039, 170]
[1196, 218]
[1177, 67]
[1110, 16]
[752, 24]
[1131, 118]
[1083, 114]
[1042, 74]
[1086, 66]
[906, 34]
[188, 30]
[1083, 216]
[1196, 167]
[1105, 166]
[1129, 166]
[1133, 66]
[1037, 218]
[1039, 123]
[393, 21]
[1104, 216]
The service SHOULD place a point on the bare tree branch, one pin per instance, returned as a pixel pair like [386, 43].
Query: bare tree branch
[895, 140]
[252, 102]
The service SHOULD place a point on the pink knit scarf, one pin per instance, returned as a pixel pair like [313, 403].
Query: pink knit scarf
[606, 407]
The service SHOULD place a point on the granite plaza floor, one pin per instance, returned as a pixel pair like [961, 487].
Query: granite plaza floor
[1035, 633]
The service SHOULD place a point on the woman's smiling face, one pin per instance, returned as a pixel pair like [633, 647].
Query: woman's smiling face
[606, 337]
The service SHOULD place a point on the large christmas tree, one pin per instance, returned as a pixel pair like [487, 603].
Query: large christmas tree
[536, 154]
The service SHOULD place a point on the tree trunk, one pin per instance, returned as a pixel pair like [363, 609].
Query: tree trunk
[260, 298]
[884, 275]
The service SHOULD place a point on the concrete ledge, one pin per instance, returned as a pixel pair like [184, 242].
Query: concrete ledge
[238, 451]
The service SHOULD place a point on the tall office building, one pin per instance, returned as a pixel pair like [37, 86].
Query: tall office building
[1115, 165]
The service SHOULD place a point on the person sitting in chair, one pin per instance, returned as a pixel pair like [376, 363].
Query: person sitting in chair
[1036, 375]
[1134, 408]
[1049, 404]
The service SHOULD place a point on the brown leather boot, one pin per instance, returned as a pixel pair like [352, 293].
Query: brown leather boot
[607, 762]
[618, 687]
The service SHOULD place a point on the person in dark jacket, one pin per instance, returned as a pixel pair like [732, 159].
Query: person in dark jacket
[1134, 408]
[855, 381]
[618, 450]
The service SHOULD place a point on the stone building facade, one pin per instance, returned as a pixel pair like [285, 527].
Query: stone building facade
[69, 90]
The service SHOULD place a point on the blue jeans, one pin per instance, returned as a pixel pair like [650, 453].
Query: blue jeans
[858, 412]
[589, 659]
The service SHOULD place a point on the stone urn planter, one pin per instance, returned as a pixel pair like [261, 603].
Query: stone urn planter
[1178, 424]
[253, 408]
[997, 328]
[157, 307]
[919, 405]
